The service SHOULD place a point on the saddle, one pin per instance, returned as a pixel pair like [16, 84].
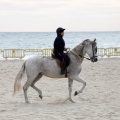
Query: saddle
[59, 63]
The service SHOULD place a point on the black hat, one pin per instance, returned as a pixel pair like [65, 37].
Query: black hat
[60, 29]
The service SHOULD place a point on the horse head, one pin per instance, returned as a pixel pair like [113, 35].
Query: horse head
[90, 48]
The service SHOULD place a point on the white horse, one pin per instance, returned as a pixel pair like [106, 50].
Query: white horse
[36, 67]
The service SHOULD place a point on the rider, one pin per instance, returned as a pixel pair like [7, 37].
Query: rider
[59, 48]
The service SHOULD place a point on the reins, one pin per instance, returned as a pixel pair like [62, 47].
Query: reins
[80, 55]
[85, 57]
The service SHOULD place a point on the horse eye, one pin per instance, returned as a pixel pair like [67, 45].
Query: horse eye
[96, 50]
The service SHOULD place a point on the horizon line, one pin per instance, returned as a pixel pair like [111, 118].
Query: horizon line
[55, 31]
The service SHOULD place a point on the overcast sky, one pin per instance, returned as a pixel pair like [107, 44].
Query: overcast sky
[47, 15]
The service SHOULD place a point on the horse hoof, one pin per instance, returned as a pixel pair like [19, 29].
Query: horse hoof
[75, 93]
[40, 96]
[71, 101]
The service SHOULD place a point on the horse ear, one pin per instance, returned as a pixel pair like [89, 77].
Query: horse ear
[95, 40]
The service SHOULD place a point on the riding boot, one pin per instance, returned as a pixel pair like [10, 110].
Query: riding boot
[63, 67]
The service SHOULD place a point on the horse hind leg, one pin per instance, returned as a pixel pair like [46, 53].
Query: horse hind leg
[35, 88]
[28, 83]
[25, 88]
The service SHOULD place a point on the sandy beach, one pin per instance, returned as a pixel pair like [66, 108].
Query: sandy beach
[99, 101]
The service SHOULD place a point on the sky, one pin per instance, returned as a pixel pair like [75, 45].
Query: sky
[47, 15]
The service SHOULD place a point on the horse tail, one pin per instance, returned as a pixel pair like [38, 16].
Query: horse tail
[17, 83]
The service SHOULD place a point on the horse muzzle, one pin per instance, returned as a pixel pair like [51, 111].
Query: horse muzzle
[94, 59]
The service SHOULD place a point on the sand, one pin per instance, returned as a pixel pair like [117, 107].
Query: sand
[99, 101]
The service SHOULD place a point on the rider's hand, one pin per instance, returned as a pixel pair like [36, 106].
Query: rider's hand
[66, 49]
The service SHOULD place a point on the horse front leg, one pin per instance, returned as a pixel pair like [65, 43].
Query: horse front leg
[77, 78]
[70, 83]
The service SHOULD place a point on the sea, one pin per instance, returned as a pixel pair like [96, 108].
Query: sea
[27, 40]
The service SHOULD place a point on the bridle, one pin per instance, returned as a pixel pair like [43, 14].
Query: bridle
[92, 58]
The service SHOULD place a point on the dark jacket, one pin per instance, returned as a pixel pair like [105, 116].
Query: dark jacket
[59, 44]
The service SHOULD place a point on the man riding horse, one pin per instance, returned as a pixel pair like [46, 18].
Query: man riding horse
[59, 48]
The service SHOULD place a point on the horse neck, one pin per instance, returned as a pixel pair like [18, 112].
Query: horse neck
[78, 52]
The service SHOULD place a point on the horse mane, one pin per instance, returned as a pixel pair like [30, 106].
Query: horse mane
[79, 48]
